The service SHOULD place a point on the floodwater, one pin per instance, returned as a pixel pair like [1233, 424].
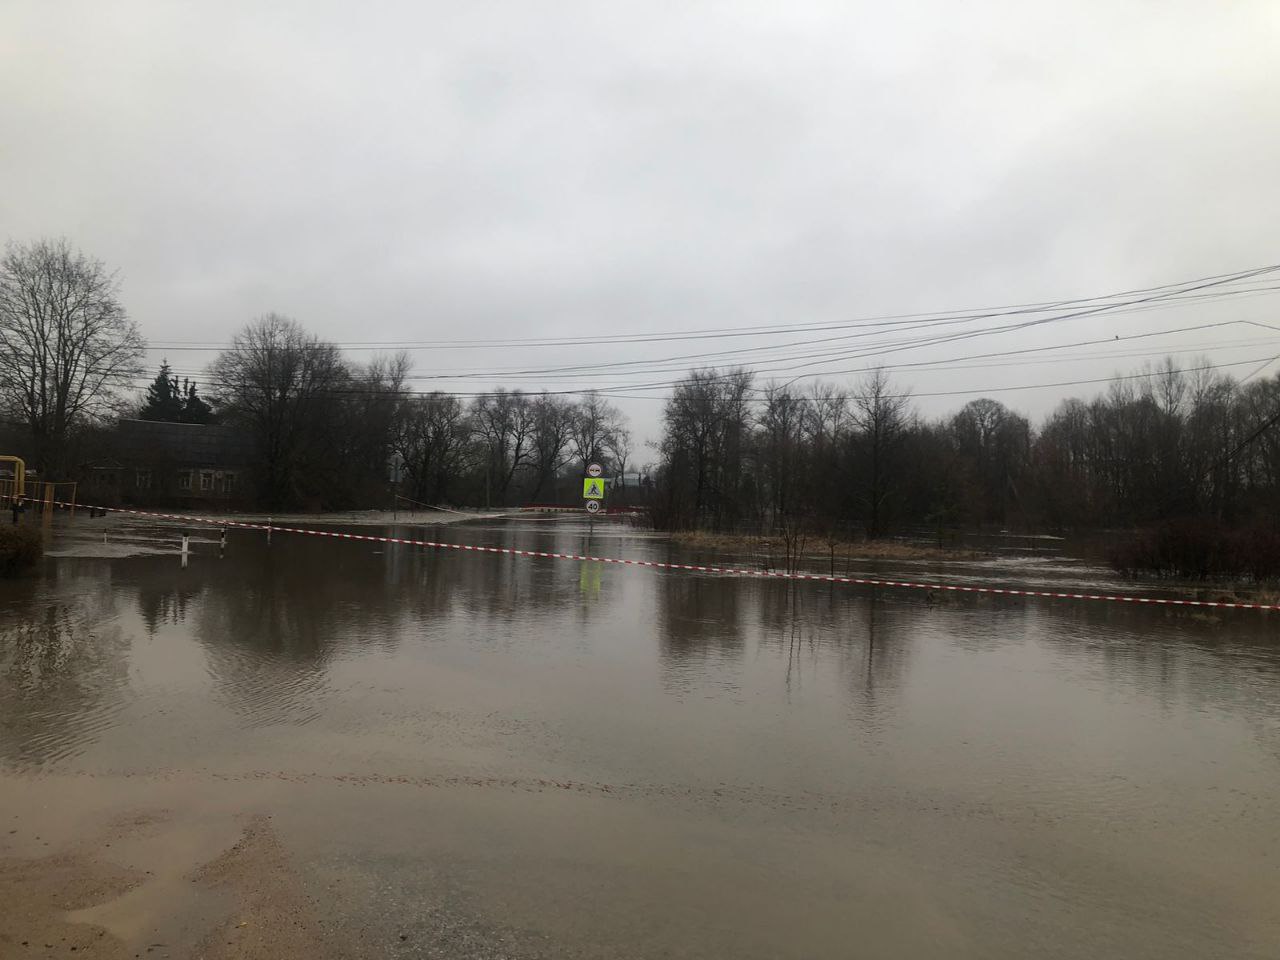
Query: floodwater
[487, 755]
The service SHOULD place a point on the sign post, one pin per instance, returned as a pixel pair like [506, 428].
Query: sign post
[593, 486]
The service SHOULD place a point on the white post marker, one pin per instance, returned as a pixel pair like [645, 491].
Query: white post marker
[186, 545]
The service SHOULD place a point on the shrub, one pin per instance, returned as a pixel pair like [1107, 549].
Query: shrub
[1200, 549]
[20, 549]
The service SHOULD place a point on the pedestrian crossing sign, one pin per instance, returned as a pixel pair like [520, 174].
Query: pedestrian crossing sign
[592, 488]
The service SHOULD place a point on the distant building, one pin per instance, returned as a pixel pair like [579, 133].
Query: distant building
[152, 462]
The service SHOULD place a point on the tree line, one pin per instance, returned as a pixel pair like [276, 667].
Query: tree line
[835, 460]
[329, 431]
[862, 462]
[326, 432]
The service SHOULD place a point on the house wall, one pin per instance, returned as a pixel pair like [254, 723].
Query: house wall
[154, 483]
[151, 464]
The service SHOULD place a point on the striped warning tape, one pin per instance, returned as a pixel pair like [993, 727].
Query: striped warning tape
[697, 568]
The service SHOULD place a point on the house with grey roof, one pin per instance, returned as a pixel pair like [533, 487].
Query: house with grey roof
[158, 463]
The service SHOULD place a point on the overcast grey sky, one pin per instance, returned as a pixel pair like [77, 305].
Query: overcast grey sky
[396, 171]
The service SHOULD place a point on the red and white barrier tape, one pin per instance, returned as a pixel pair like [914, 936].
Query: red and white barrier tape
[699, 568]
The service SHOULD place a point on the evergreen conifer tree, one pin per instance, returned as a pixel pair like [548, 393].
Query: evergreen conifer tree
[163, 402]
[194, 408]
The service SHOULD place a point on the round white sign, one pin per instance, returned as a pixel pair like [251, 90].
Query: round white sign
[593, 506]
[595, 470]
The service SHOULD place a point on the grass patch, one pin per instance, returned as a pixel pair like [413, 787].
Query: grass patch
[20, 549]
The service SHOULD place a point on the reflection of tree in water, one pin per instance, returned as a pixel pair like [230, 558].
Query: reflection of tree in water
[699, 627]
[272, 619]
[269, 636]
[496, 596]
[63, 672]
[875, 679]
[164, 599]
[834, 628]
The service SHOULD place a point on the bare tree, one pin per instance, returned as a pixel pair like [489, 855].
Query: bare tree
[620, 450]
[826, 414]
[552, 424]
[823, 485]
[435, 439]
[362, 441]
[706, 424]
[595, 423]
[880, 416]
[67, 348]
[994, 444]
[283, 385]
[782, 414]
[505, 423]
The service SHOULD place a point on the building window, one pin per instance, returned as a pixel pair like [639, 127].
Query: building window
[206, 481]
[184, 479]
[142, 479]
[229, 482]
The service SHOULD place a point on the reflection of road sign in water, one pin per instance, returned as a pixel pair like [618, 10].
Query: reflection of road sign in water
[592, 488]
[589, 579]
[593, 506]
[594, 470]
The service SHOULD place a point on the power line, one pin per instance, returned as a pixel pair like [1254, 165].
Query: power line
[1218, 287]
[1168, 291]
[827, 356]
[401, 394]
[955, 363]
[925, 342]
[833, 355]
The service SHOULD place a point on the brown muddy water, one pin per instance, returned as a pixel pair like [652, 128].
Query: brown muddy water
[325, 748]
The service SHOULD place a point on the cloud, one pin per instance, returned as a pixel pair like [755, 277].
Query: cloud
[389, 171]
